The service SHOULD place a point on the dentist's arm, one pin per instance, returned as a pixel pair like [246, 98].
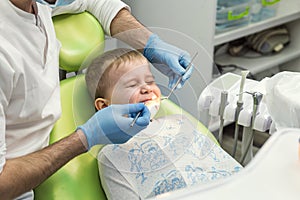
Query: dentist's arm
[110, 125]
[24, 173]
[125, 27]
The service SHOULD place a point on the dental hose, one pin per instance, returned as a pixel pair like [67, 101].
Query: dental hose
[239, 107]
[224, 96]
[237, 126]
[257, 97]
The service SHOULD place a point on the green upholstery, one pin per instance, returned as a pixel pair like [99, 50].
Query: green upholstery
[79, 34]
[79, 179]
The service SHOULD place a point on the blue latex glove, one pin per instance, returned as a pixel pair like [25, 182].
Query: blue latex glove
[112, 124]
[168, 59]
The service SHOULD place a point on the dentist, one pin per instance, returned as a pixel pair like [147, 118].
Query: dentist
[29, 88]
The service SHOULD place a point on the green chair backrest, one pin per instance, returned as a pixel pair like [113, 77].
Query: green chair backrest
[79, 34]
[78, 179]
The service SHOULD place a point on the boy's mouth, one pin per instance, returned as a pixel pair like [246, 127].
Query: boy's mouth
[154, 98]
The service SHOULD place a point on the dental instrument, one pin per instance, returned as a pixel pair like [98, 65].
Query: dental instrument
[134, 120]
[224, 97]
[172, 90]
[239, 107]
[179, 80]
[248, 131]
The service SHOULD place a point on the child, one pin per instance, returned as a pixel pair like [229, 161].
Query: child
[169, 154]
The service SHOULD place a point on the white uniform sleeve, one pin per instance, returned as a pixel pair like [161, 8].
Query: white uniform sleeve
[6, 85]
[116, 187]
[2, 136]
[103, 10]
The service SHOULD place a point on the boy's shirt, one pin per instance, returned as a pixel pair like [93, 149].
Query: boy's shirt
[168, 155]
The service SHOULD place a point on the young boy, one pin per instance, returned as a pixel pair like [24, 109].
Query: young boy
[169, 154]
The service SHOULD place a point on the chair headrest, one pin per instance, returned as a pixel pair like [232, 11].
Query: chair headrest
[79, 34]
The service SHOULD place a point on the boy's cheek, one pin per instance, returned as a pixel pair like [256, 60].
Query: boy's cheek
[133, 98]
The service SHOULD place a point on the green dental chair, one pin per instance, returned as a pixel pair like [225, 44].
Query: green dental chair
[79, 179]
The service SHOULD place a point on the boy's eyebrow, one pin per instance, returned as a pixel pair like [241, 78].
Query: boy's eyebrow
[135, 78]
[130, 80]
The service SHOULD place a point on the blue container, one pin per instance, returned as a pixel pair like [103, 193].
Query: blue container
[263, 9]
[232, 17]
[230, 3]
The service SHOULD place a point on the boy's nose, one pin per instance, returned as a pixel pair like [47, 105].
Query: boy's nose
[146, 89]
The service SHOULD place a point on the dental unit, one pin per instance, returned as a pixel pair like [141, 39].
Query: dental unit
[238, 108]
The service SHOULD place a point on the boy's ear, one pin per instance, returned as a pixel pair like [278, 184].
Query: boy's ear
[101, 103]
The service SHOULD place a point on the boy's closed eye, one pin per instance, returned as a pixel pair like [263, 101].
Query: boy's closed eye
[150, 80]
[131, 84]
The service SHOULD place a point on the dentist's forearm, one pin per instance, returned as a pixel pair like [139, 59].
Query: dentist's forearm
[22, 174]
[126, 28]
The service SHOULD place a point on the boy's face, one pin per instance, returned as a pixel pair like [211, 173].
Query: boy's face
[133, 82]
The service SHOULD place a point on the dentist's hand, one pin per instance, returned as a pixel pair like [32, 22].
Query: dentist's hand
[112, 124]
[168, 59]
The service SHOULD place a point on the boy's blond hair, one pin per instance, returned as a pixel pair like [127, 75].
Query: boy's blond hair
[97, 76]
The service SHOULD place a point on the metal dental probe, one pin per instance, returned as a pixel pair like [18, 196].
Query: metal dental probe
[172, 90]
[257, 97]
[179, 80]
[134, 120]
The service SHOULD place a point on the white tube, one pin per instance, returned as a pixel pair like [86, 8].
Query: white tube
[244, 74]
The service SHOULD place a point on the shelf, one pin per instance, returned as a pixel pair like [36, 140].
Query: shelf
[256, 65]
[288, 11]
